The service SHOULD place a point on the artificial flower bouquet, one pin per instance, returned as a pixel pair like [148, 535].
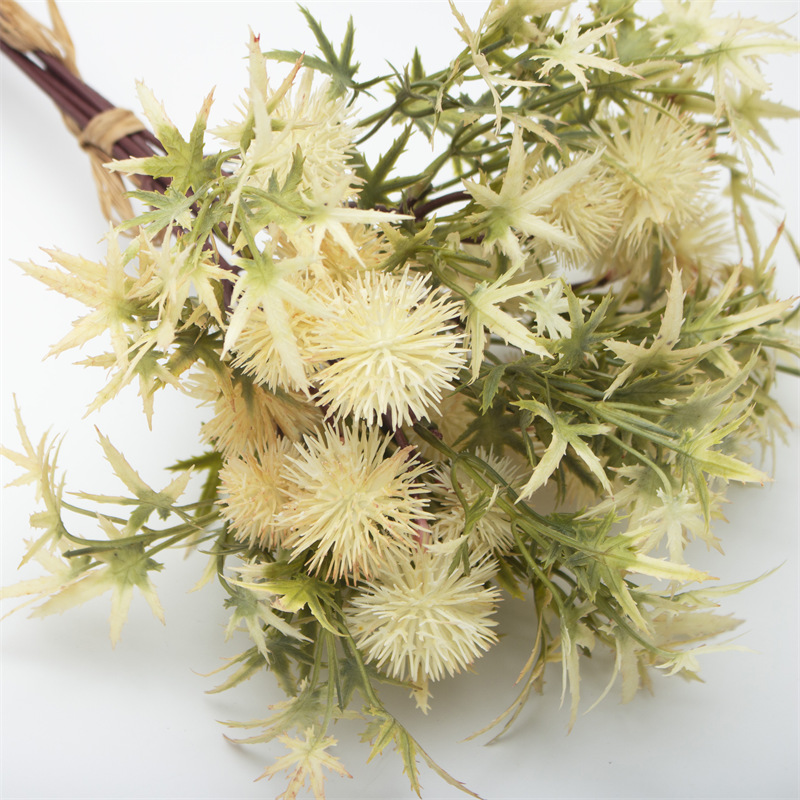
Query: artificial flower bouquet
[527, 369]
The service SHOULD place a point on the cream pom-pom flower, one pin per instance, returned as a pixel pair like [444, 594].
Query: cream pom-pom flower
[391, 345]
[491, 531]
[349, 503]
[247, 417]
[420, 620]
[252, 494]
[258, 353]
[660, 172]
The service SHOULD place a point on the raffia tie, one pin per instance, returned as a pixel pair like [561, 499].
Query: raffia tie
[97, 139]
[107, 128]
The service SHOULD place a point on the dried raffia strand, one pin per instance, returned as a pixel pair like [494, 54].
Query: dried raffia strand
[98, 139]
[107, 128]
[20, 30]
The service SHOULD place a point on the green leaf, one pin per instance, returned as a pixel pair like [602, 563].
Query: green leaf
[170, 208]
[298, 712]
[491, 383]
[147, 500]
[192, 348]
[300, 591]
[584, 341]
[507, 580]
[283, 205]
[211, 461]
[384, 729]
[565, 433]
[417, 70]
[404, 247]
[251, 662]
[183, 161]
[374, 191]
[292, 56]
[493, 430]
[697, 447]
[339, 67]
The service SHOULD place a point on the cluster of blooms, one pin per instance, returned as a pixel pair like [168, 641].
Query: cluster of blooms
[393, 395]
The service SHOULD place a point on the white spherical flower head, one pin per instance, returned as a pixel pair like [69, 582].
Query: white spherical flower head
[392, 348]
[419, 620]
[660, 171]
[349, 504]
[252, 495]
[248, 418]
[491, 531]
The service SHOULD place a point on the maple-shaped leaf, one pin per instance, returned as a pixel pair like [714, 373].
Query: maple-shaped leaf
[702, 406]
[305, 761]
[251, 605]
[578, 346]
[303, 590]
[574, 635]
[520, 207]
[402, 248]
[168, 208]
[189, 349]
[106, 288]
[124, 568]
[266, 288]
[338, 66]
[280, 204]
[35, 461]
[565, 434]
[183, 161]
[244, 666]
[39, 464]
[663, 352]
[146, 499]
[570, 53]
[696, 450]
[712, 321]
[384, 729]
[493, 429]
[297, 712]
[483, 312]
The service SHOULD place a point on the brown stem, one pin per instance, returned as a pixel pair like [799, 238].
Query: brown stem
[422, 211]
[401, 438]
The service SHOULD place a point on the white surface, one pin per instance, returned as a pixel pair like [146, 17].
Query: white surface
[82, 720]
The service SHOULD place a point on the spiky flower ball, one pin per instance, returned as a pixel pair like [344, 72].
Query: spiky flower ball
[660, 173]
[258, 354]
[490, 528]
[247, 417]
[419, 620]
[349, 504]
[391, 347]
[276, 124]
[252, 494]
[589, 211]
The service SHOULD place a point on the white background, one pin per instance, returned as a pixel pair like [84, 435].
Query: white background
[82, 720]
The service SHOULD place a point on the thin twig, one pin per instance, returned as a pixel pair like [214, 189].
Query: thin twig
[422, 211]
